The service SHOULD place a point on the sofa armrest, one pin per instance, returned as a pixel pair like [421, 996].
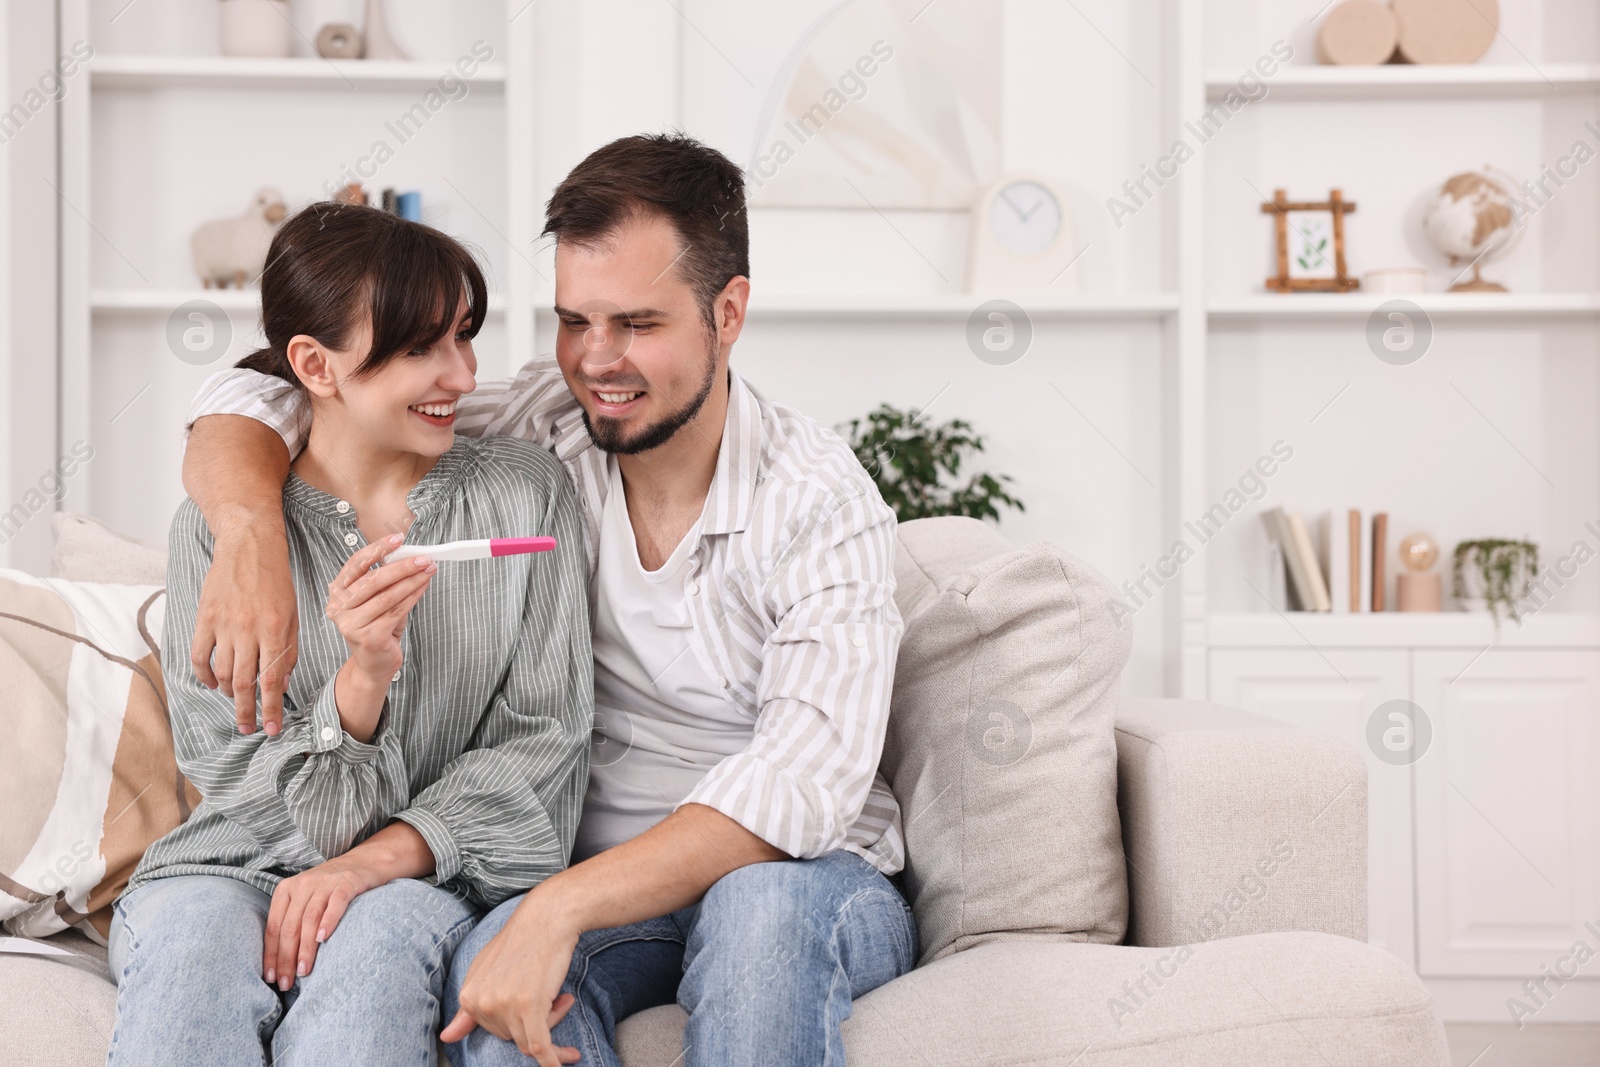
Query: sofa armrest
[1234, 823]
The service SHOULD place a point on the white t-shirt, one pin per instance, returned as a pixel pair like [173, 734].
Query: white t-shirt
[661, 719]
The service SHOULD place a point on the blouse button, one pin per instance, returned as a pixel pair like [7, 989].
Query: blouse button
[351, 539]
[860, 642]
[722, 681]
[396, 677]
[342, 507]
[327, 733]
[693, 588]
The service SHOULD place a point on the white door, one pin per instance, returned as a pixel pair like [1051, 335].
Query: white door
[1335, 693]
[1508, 839]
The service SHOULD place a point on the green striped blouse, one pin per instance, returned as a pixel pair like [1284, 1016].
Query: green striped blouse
[483, 742]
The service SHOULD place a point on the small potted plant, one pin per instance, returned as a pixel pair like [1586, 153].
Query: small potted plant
[1492, 575]
[911, 461]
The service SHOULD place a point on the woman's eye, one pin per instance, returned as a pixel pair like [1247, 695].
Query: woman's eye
[642, 327]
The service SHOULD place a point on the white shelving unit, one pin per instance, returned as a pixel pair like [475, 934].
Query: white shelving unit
[1492, 432]
[157, 91]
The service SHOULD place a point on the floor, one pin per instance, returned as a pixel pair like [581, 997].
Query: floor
[1535, 1045]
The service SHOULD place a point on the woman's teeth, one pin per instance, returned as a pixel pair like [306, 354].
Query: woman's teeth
[436, 410]
[617, 398]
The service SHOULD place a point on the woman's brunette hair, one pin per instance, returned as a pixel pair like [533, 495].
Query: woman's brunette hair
[332, 264]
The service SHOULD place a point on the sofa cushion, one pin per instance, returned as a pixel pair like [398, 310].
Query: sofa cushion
[1001, 745]
[90, 774]
[1285, 998]
[87, 550]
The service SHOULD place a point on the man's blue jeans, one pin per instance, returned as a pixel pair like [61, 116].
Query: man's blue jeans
[186, 953]
[766, 965]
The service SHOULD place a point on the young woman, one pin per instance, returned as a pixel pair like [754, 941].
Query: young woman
[434, 748]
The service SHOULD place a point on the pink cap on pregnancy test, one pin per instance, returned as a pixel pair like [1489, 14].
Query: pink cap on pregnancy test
[485, 548]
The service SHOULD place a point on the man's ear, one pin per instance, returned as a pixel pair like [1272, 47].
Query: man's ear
[728, 310]
[312, 365]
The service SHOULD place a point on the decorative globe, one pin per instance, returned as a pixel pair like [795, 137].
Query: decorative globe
[1418, 552]
[1471, 221]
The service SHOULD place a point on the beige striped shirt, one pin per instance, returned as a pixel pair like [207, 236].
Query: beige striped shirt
[793, 604]
[483, 741]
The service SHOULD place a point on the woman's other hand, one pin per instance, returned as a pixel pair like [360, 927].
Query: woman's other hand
[307, 907]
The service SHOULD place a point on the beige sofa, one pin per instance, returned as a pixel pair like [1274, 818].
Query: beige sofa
[1213, 913]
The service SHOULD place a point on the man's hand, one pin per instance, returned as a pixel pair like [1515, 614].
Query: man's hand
[247, 613]
[513, 988]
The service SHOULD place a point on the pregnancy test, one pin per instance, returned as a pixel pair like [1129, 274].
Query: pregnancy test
[485, 548]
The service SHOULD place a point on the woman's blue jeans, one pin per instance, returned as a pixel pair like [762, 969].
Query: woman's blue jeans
[186, 953]
[766, 965]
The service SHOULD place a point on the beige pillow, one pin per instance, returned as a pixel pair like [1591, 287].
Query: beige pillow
[1000, 747]
[89, 774]
[87, 550]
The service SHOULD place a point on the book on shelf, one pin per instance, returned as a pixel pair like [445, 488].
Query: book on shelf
[1339, 571]
[1333, 551]
[1307, 588]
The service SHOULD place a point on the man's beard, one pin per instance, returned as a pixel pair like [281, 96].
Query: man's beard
[609, 437]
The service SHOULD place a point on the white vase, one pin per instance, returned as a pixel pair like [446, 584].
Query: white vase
[255, 28]
[376, 31]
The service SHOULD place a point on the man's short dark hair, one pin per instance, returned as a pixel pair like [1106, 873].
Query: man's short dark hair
[696, 188]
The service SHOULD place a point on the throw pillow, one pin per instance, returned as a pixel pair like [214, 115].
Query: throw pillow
[1001, 745]
[90, 776]
[87, 550]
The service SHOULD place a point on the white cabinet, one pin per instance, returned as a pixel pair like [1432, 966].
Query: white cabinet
[1334, 693]
[1484, 860]
[1508, 808]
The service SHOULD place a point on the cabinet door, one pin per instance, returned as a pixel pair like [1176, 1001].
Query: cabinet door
[1507, 838]
[1335, 694]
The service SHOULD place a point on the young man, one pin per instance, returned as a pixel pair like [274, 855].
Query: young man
[736, 839]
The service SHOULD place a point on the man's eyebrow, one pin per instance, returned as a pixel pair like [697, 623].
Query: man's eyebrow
[619, 316]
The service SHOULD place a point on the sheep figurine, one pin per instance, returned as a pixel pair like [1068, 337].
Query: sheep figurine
[236, 249]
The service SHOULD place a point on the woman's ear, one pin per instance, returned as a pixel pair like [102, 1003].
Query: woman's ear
[312, 365]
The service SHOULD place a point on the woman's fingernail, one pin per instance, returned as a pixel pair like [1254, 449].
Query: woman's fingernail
[272, 729]
[272, 976]
[394, 539]
[322, 935]
[283, 983]
[423, 561]
[301, 968]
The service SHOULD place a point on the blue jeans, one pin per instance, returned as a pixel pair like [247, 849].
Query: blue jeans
[186, 952]
[766, 965]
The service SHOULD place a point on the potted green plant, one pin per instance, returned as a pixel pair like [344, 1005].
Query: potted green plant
[917, 465]
[1493, 574]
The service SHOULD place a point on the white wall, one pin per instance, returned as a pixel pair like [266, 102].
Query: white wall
[28, 213]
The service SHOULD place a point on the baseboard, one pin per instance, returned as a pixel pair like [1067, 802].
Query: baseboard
[1484, 1000]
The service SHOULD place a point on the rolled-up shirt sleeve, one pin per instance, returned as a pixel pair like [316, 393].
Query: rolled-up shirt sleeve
[284, 408]
[826, 680]
[502, 816]
[303, 795]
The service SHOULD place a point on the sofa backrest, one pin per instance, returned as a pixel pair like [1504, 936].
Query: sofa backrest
[1001, 745]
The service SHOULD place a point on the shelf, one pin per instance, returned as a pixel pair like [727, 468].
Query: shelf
[206, 72]
[163, 301]
[1389, 629]
[1276, 307]
[1397, 81]
[961, 305]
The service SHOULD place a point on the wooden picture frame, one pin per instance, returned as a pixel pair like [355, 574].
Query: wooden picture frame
[1307, 269]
